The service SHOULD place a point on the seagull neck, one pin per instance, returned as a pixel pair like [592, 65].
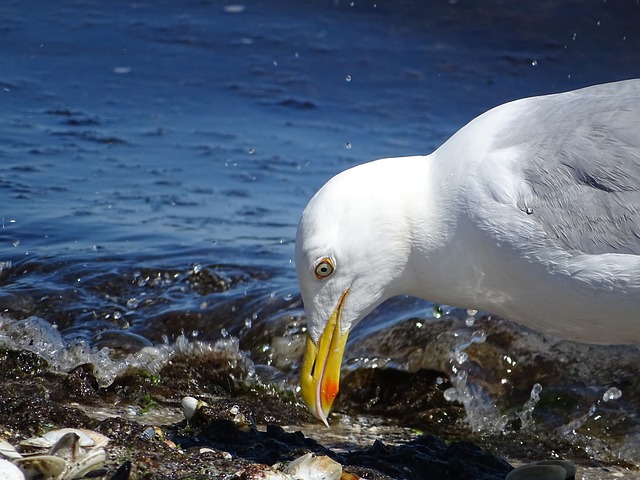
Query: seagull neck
[434, 222]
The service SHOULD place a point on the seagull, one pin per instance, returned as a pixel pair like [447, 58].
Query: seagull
[531, 211]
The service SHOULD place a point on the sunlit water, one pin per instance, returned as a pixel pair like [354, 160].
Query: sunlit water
[155, 158]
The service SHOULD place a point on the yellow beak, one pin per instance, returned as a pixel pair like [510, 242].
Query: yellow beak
[320, 376]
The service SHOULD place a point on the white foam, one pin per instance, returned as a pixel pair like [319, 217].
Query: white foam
[38, 336]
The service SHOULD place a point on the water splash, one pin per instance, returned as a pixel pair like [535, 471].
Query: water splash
[40, 337]
[526, 415]
[570, 428]
[482, 414]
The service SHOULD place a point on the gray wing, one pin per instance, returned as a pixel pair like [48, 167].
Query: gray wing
[580, 161]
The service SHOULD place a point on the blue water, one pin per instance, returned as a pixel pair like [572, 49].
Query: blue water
[143, 142]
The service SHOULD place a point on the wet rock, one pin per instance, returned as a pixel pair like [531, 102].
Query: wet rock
[387, 392]
[81, 383]
[220, 439]
[205, 282]
[428, 457]
[123, 472]
[425, 457]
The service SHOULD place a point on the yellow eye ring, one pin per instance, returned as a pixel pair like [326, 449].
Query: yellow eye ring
[324, 267]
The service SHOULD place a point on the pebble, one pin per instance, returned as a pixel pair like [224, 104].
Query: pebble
[539, 471]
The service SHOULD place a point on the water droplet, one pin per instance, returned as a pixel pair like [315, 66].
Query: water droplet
[348, 146]
[224, 332]
[437, 311]
[348, 78]
[526, 415]
[450, 394]
[536, 390]
[534, 63]
[612, 394]
[16, 243]
[252, 151]
[461, 357]
[197, 268]
[470, 321]
[479, 336]
[203, 305]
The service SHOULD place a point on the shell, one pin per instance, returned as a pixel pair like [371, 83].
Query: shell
[67, 448]
[37, 466]
[8, 471]
[310, 467]
[190, 406]
[94, 460]
[8, 451]
[87, 438]
[538, 472]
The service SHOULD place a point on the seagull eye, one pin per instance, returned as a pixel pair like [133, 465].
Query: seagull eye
[324, 268]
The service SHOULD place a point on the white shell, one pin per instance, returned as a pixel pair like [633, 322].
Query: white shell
[67, 448]
[8, 471]
[37, 466]
[94, 460]
[310, 467]
[87, 438]
[538, 472]
[189, 407]
[7, 450]
[71, 454]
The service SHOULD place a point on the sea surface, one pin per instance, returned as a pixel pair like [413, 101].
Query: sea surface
[155, 158]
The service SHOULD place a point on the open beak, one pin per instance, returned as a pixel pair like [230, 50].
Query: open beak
[320, 376]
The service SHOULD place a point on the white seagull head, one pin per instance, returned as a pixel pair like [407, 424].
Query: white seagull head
[352, 248]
